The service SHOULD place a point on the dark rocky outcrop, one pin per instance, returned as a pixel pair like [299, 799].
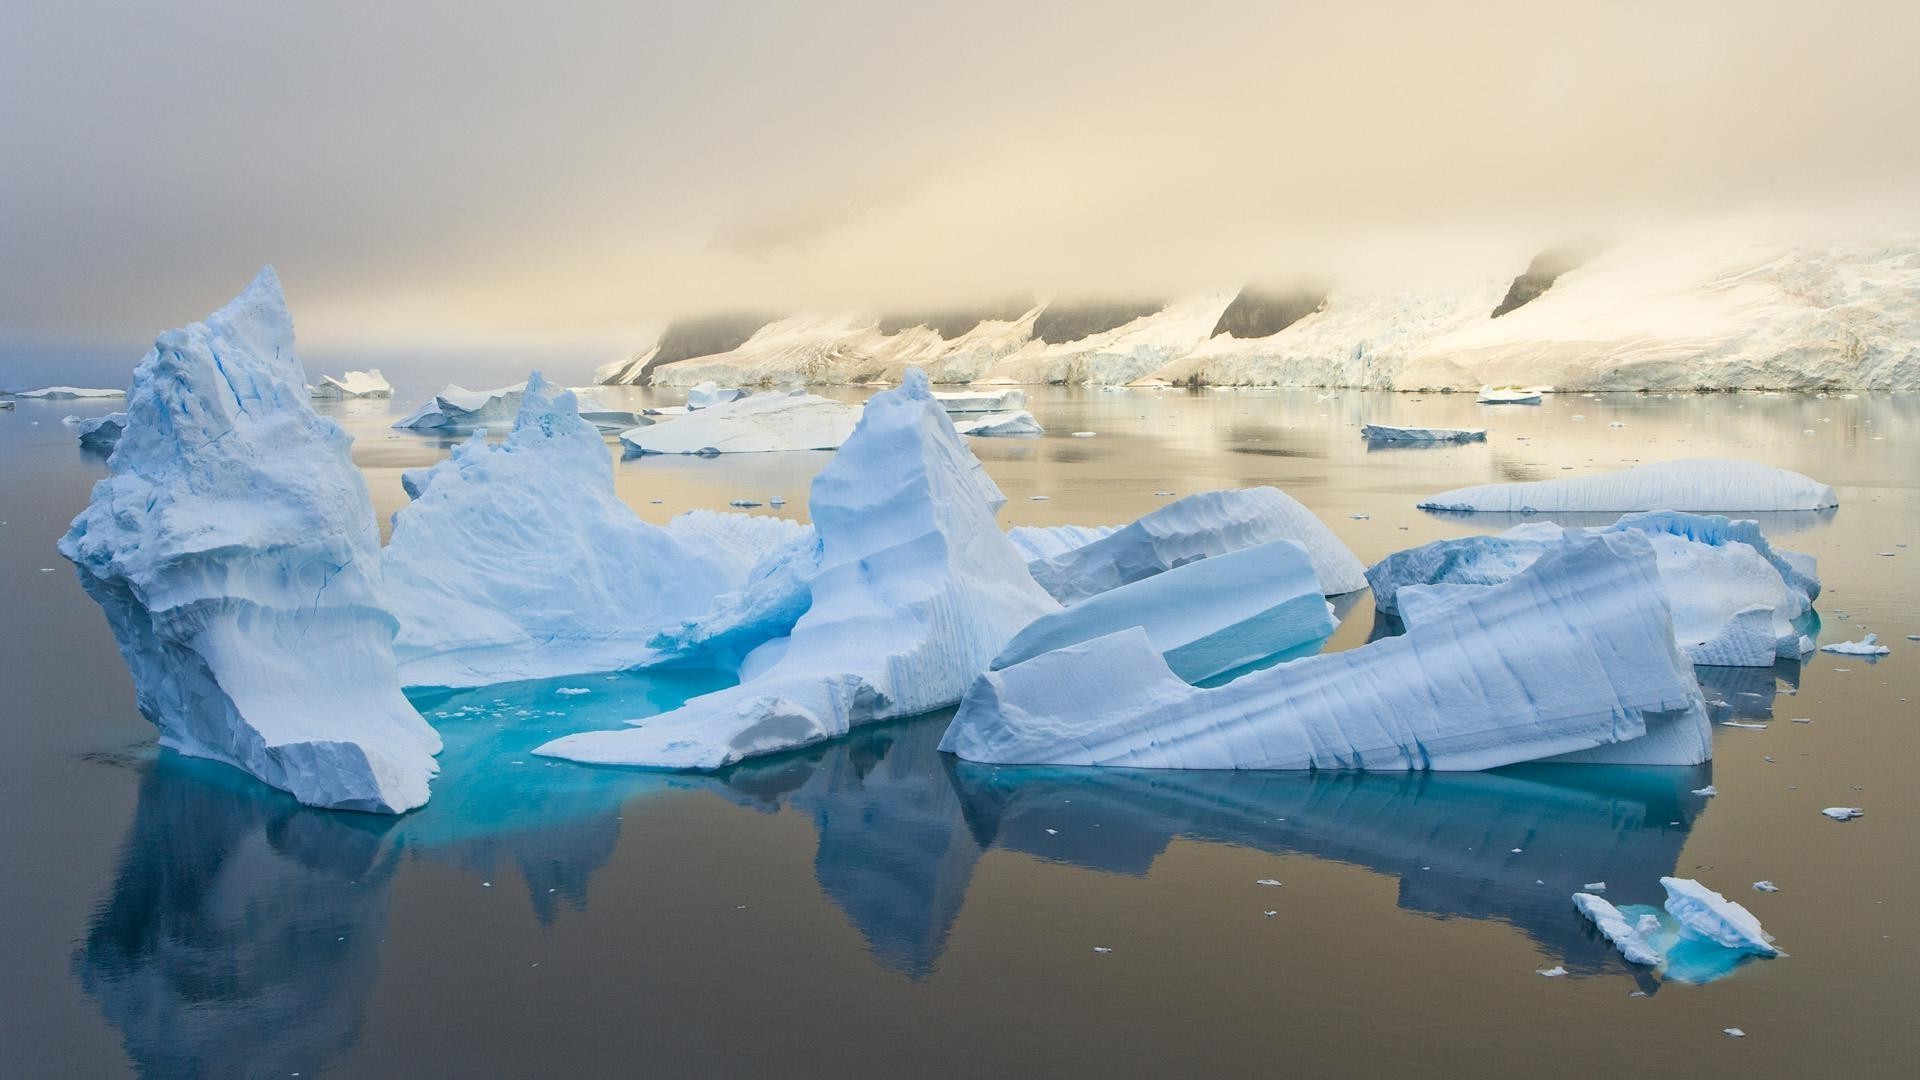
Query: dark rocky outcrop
[702, 335]
[1545, 269]
[1258, 313]
[1065, 321]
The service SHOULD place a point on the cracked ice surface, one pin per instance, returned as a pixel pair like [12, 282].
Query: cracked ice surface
[1572, 659]
[233, 548]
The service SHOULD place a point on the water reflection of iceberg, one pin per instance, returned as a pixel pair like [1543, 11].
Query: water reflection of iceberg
[242, 934]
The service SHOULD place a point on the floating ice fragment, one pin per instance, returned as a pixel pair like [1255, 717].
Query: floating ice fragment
[1708, 485]
[1843, 813]
[1389, 433]
[1633, 939]
[1083, 434]
[1866, 646]
[1266, 881]
[1595, 886]
[743, 503]
[1765, 886]
[1736, 1032]
[1707, 792]
[1101, 949]
[1000, 425]
[1713, 916]
[1553, 972]
[571, 691]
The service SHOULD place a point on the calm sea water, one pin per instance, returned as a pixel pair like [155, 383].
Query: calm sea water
[874, 908]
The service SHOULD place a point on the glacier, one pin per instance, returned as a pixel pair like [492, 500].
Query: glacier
[1701, 485]
[763, 423]
[1196, 527]
[457, 410]
[1205, 618]
[354, 384]
[917, 590]
[1588, 672]
[519, 561]
[1389, 433]
[998, 424]
[233, 548]
[1735, 599]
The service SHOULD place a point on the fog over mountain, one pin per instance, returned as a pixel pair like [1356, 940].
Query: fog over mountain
[515, 173]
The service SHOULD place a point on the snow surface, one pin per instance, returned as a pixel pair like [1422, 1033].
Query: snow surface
[100, 432]
[1388, 433]
[849, 349]
[1634, 940]
[1119, 355]
[999, 424]
[354, 384]
[518, 561]
[1713, 916]
[1196, 527]
[233, 547]
[764, 423]
[457, 409]
[1205, 618]
[1702, 485]
[1586, 670]
[916, 592]
[1734, 599]
[68, 393]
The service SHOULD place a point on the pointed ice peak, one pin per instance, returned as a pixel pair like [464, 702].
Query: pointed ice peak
[915, 385]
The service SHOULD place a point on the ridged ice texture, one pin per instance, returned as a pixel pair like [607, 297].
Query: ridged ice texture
[458, 409]
[1389, 433]
[778, 590]
[354, 384]
[760, 424]
[1700, 486]
[519, 561]
[1046, 541]
[1206, 618]
[983, 401]
[999, 424]
[1635, 939]
[1733, 597]
[1197, 527]
[1572, 654]
[1713, 916]
[917, 590]
[233, 547]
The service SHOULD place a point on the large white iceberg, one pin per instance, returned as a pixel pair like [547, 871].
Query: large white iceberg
[456, 409]
[1701, 486]
[1734, 598]
[518, 560]
[1206, 618]
[916, 592]
[1573, 659]
[354, 384]
[1196, 527]
[233, 547]
[68, 393]
[999, 424]
[762, 423]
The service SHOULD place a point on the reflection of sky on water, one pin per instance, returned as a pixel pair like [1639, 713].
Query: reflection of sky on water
[241, 929]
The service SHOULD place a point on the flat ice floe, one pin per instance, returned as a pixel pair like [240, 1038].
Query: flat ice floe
[68, 393]
[1388, 433]
[917, 590]
[708, 394]
[1206, 618]
[1704, 485]
[354, 384]
[518, 561]
[1634, 939]
[999, 424]
[1196, 527]
[1510, 395]
[1572, 659]
[983, 401]
[763, 423]
[457, 409]
[233, 548]
[1734, 598]
[1866, 646]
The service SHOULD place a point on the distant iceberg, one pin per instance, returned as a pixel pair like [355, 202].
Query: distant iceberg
[100, 433]
[1206, 618]
[1704, 485]
[233, 548]
[354, 384]
[519, 561]
[1735, 599]
[916, 592]
[708, 394]
[1510, 395]
[1198, 526]
[1866, 646]
[1389, 433]
[1572, 660]
[999, 424]
[458, 410]
[763, 423]
[983, 401]
[67, 393]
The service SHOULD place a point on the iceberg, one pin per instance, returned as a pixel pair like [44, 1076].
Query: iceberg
[999, 424]
[778, 590]
[1388, 433]
[1734, 598]
[1704, 485]
[983, 401]
[67, 393]
[917, 590]
[1866, 646]
[518, 561]
[233, 547]
[1509, 395]
[764, 423]
[610, 418]
[1205, 618]
[1046, 541]
[740, 541]
[1586, 671]
[354, 384]
[1196, 527]
[457, 410]
[708, 394]
[1634, 940]
[1712, 916]
[101, 433]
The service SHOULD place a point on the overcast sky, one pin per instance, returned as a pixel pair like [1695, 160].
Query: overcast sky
[472, 171]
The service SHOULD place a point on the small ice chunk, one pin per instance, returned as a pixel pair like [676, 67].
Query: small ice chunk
[1866, 646]
[1715, 917]
[1633, 939]
[1595, 886]
[1707, 792]
[1735, 1032]
[572, 691]
[1266, 881]
[1553, 972]
[1765, 886]
[743, 504]
[1843, 813]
